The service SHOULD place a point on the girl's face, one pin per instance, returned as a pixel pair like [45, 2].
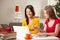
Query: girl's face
[46, 14]
[29, 13]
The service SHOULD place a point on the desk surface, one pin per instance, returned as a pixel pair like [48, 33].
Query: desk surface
[40, 38]
[12, 35]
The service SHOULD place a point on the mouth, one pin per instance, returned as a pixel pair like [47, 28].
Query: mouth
[29, 14]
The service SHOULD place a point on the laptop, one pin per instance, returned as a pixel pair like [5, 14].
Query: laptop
[21, 31]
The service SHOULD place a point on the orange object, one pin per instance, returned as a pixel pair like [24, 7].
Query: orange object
[28, 39]
[28, 36]
[17, 9]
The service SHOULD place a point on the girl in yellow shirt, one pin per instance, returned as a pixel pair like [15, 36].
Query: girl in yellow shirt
[30, 20]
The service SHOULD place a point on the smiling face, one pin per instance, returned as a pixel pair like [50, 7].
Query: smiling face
[29, 13]
[46, 14]
[49, 12]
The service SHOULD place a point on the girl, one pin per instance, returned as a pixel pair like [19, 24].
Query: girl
[52, 23]
[30, 20]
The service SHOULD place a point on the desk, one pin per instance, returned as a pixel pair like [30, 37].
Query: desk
[46, 38]
[40, 38]
[12, 36]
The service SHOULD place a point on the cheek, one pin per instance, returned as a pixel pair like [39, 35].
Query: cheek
[29, 14]
[46, 16]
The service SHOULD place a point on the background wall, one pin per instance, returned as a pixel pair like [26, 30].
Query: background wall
[52, 2]
[7, 9]
[38, 5]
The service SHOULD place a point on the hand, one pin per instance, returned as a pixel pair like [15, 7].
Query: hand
[42, 31]
[40, 34]
[31, 29]
[34, 27]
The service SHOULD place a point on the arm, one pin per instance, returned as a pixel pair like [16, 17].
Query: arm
[36, 26]
[56, 30]
[53, 33]
[44, 27]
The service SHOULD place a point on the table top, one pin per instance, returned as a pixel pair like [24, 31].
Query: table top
[40, 38]
[13, 36]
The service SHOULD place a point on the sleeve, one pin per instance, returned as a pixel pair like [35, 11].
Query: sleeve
[37, 24]
[57, 21]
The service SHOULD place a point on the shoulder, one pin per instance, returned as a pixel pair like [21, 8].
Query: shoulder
[24, 19]
[57, 20]
[35, 18]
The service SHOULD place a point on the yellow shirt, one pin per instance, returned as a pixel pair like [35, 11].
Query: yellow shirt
[35, 22]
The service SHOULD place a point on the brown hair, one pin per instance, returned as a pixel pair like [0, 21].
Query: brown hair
[50, 11]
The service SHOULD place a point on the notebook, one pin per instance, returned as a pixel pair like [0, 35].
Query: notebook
[21, 31]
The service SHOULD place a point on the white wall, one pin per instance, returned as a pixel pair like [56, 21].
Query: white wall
[7, 8]
[38, 5]
[6, 11]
